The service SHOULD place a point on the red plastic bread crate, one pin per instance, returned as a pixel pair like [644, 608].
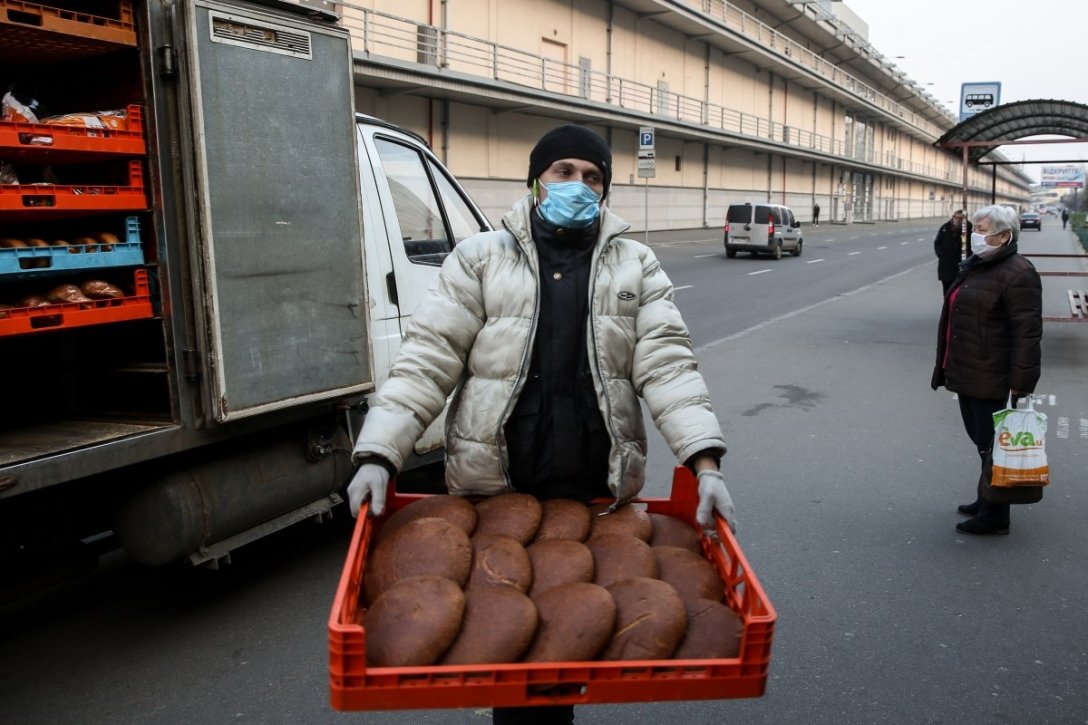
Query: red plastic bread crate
[58, 143]
[52, 200]
[120, 28]
[24, 320]
[354, 686]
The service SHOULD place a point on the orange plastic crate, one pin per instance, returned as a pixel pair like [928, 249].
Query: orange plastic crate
[35, 16]
[60, 143]
[354, 686]
[30, 200]
[25, 320]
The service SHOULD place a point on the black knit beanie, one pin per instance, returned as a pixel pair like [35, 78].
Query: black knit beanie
[570, 142]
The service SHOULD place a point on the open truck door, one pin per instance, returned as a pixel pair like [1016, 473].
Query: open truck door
[284, 285]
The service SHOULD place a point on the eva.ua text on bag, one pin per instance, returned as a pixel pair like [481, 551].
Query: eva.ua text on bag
[1019, 454]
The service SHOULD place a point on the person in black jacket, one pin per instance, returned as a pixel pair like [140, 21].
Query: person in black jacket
[948, 246]
[988, 347]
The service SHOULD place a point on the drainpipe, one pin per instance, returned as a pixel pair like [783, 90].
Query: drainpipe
[706, 146]
[608, 48]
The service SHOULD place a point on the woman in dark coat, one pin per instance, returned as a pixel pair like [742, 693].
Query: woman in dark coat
[987, 347]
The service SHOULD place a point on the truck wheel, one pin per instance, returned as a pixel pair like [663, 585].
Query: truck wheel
[731, 253]
[777, 253]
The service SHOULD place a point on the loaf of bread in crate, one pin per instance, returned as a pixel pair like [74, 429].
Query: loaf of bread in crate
[621, 556]
[413, 622]
[424, 547]
[458, 511]
[12, 243]
[516, 515]
[108, 239]
[32, 300]
[89, 244]
[559, 561]
[669, 531]
[629, 519]
[63, 293]
[499, 561]
[3, 310]
[563, 518]
[498, 626]
[692, 576]
[97, 289]
[575, 623]
[713, 631]
[650, 620]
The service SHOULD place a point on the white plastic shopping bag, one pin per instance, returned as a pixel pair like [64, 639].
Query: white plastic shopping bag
[1019, 447]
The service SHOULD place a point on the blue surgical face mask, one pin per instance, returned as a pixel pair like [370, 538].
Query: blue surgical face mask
[570, 204]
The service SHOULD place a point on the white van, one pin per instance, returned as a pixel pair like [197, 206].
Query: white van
[762, 228]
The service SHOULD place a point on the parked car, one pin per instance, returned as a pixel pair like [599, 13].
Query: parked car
[762, 228]
[1031, 220]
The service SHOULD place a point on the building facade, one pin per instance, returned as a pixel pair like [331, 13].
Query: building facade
[755, 100]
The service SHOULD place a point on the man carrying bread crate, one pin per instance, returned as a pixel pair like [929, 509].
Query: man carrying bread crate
[549, 331]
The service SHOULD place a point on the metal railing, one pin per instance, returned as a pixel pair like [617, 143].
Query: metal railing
[381, 35]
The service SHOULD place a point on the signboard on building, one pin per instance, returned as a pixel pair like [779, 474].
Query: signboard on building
[1062, 176]
[978, 97]
[647, 160]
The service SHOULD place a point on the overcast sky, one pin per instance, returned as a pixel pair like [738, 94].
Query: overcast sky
[1034, 48]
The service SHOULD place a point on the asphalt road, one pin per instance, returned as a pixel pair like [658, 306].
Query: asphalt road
[845, 468]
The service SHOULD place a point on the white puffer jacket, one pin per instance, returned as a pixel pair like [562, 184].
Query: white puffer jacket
[474, 332]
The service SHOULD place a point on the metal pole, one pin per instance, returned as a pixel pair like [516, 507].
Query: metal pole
[993, 184]
[646, 208]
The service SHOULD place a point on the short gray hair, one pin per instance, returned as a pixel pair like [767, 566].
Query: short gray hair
[1002, 218]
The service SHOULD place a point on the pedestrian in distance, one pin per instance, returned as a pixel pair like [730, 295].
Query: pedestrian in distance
[1065, 217]
[948, 246]
[816, 214]
[546, 332]
[988, 347]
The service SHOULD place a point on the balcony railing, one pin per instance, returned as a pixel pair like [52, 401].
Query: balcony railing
[380, 35]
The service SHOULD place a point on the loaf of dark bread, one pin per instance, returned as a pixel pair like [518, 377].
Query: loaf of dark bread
[713, 632]
[424, 547]
[516, 515]
[563, 518]
[621, 556]
[692, 576]
[559, 561]
[575, 623]
[498, 626]
[669, 531]
[413, 623]
[456, 510]
[650, 620]
[630, 519]
[499, 561]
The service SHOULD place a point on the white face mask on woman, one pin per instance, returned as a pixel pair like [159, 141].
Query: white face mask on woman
[980, 248]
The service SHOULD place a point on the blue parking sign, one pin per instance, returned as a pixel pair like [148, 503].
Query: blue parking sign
[646, 137]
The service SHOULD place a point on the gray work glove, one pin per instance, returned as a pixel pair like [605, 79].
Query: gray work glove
[369, 481]
[713, 496]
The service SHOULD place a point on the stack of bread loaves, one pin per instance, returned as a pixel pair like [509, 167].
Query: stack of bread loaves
[514, 579]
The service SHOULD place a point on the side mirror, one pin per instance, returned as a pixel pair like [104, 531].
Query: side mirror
[797, 224]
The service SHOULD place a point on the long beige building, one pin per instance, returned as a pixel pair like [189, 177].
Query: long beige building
[757, 100]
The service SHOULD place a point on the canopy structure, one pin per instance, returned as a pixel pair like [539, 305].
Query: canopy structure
[1011, 122]
[1008, 124]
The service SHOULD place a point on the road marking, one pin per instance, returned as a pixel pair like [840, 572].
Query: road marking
[851, 254]
[762, 271]
[881, 248]
[813, 261]
[1062, 430]
[821, 303]
[829, 240]
[920, 239]
[683, 286]
[703, 256]
[1084, 428]
[903, 244]
[855, 236]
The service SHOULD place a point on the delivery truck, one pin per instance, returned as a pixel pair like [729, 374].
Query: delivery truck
[208, 258]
